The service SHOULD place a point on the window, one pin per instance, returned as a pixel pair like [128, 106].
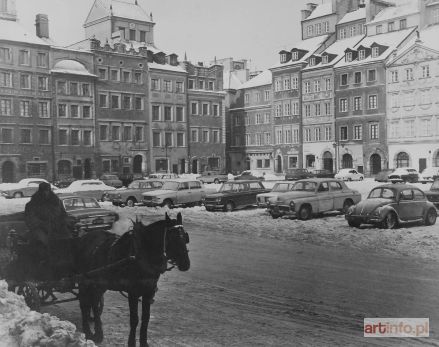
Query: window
[402, 24]
[328, 134]
[326, 25]
[394, 76]
[295, 110]
[210, 85]
[391, 26]
[361, 54]
[73, 88]
[357, 103]
[25, 136]
[87, 138]
[358, 132]
[155, 84]
[62, 110]
[343, 133]
[103, 100]
[167, 86]
[127, 132]
[194, 108]
[307, 135]
[114, 75]
[180, 139]
[371, 75]
[266, 95]
[24, 108]
[62, 137]
[5, 107]
[379, 29]
[86, 111]
[205, 135]
[342, 33]
[5, 55]
[138, 134]
[246, 98]
[317, 109]
[126, 76]
[353, 30]
[115, 133]
[168, 113]
[138, 103]
[74, 111]
[200, 84]
[287, 84]
[103, 132]
[61, 87]
[179, 88]
[317, 134]
[344, 80]
[343, 105]
[327, 108]
[43, 83]
[5, 79]
[325, 59]
[102, 73]
[307, 87]
[318, 28]
[155, 112]
[115, 101]
[43, 109]
[132, 35]
[312, 61]
[409, 74]
[194, 135]
[308, 110]
[328, 84]
[394, 100]
[24, 81]
[372, 102]
[425, 71]
[310, 30]
[436, 15]
[283, 58]
[357, 77]
[215, 109]
[316, 86]
[138, 77]
[126, 102]
[375, 52]
[85, 89]
[191, 84]
[295, 82]
[348, 56]
[205, 108]
[74, 137]
[43, 137]
[287, 111]
[216, 137]
[23, 57]
[373, 131]
[267, 116]
[179, 114]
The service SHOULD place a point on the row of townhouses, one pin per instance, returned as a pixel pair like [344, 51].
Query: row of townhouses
[359, 90]
[112, 103]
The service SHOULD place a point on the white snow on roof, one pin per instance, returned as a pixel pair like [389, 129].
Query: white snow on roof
[353, 16]
[337, 48]
[392, 40]
[231, 81]
[428, 39]
[13, 31]
[166, 67]
[321, 10]
[310, 45]
[402, 9]
[126, 9]
[262, 79]
[71, 67]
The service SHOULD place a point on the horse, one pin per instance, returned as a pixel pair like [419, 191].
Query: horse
[130, 263]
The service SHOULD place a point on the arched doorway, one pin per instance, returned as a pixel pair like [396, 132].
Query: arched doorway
[402, 160]
[347, 161]
[328, 162]
[64, 168]
[137, 164]
[279, 164]
[375, 163]
[8, 172]
[87, 168]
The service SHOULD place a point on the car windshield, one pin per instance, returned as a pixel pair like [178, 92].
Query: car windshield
[229, 187]
[134, 185]
[170, 185]
[304, 186]
[77, 203]
[383, 193]
[281, 187]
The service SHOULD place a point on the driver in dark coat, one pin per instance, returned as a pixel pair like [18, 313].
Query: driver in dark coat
[50, 236]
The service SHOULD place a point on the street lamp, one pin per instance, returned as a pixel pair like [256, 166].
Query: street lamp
[335, 145]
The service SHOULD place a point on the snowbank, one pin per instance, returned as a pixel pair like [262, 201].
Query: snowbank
[21, 327]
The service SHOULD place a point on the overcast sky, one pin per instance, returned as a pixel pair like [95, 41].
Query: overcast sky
[243, 29]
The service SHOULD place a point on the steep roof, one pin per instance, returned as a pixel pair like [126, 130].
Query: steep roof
[262, 79]
[166, 67]
[117, 8]
[354, 16]
[231, 81]
[13, 31]
[402, 9]
[321, 10]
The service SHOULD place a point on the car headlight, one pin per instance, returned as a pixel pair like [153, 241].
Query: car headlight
[377, 211]
[350, 210]
[156, 199]
[218, 199]
[292, 205]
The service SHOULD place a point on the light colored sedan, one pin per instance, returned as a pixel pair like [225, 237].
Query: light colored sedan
[349, 175]
[24, 188]
[280, 187]
[314, 196]
[90, 188]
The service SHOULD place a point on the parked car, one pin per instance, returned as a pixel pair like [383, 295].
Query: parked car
[280, 187]
[83, 214]
[63, 182]
[433, 194]
[24, 188]
[111, 180]
[383, 175]
[349, 175]
[313, 196]
[404, 174]
[176, 192]
[133, 193]
[297, 174]
[213, 177]
[391, 204]
[429, 174]
[234, 194]
[90, 188]
[248, 175]
[322, 173]
[163, 176]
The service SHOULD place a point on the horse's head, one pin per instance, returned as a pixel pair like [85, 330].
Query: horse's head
[176, 240]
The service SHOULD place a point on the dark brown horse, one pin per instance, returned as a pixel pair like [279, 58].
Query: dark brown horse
[131, 263]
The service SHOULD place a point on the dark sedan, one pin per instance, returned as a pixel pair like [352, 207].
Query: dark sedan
[233, 195]
[391, 204]
[383, 175]
[297, 174]
[433, 193]
[322, 173]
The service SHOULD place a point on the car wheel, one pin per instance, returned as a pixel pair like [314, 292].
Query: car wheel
[168, 203]
[354, 223]
[130, 202]
[216, 181]
[304, 213]
[230, 206]
[430, 218]
[274, 215]
[389, 221]
[348, 203]
[361, 178]
[18, 195]
[349, 178]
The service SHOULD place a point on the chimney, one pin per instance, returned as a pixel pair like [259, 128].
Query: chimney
[310, 6]
[361, 4]
[42, 25]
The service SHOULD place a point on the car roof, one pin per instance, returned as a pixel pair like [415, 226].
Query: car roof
[319, 180]
[182, 180]
[71, 196]
[397, 186]
[243, 181]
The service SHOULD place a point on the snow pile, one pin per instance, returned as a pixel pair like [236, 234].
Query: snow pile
[21, 327]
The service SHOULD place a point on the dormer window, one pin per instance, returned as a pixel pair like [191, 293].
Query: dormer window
[375, 52]
[391, 26]
[295, 56]
[312, 62]
[361, 54]
[348, 56]
[283, 58]
[325, 59]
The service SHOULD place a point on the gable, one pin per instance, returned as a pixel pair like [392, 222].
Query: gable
[415, 54]
[97, 11]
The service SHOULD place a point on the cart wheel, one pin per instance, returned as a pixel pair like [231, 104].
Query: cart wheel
[31, 297]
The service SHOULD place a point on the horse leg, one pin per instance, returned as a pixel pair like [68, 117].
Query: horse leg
[85, 306]
[146, 312]
[97, 300]
[134, 318]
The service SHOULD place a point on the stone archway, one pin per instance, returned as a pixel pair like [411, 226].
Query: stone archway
[402, 159]
[8, 172]
[375, 163]
[328, 162]
[346, 161]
